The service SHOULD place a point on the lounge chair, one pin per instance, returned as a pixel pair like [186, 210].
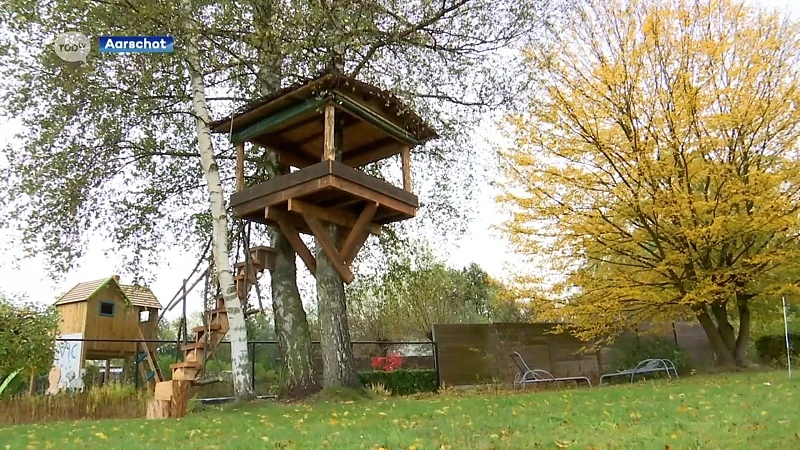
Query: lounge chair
[644, 367]
[527, 375]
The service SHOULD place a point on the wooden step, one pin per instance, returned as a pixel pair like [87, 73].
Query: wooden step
[242, 264]
[212, 326]
[242, 276]
[185, 365]
[218, 311]
[194, 345]
[264, 255]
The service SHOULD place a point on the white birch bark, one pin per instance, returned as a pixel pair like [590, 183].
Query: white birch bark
[237, 334]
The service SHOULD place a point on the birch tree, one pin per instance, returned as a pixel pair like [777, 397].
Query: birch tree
[657, 167]
[237, 333]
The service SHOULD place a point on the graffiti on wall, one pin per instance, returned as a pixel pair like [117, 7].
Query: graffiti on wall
[67, 373]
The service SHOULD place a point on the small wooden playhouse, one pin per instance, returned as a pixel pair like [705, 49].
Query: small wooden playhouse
[109, 317]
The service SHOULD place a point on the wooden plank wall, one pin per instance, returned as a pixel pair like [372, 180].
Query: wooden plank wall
[480, 353]
[72, 316]
[124, 325]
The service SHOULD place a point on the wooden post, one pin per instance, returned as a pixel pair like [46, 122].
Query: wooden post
[185, 329]
[240, 166]
[329, 150]
[405, 155]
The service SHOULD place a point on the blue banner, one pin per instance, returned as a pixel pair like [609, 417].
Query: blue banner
[136, 44]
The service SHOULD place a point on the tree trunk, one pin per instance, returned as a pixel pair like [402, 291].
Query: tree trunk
[721, 351]
[338, 362]
[291, 324]
[32, 383]
[743, 339]
[237, 334]
[726, 331]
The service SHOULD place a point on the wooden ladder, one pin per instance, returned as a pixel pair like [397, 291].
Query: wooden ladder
[171, 397]
[152, 360]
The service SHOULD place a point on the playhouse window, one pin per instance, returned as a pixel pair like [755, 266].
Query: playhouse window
[107, 309]
[144, 316]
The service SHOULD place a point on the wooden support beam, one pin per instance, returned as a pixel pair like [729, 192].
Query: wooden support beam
[347, 121]
[329, 149]
[366, 193]
[293, 236]
[331, 215]
[405, 155]
[206, 381]
[240, 166]
[329, 248]
[357, 237]
[373, 151]
[296, 159]
[283, 116]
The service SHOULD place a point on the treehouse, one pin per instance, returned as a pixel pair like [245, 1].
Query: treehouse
[327, 129]
[103, 320]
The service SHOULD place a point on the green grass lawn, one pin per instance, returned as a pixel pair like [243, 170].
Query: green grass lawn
[746, 410]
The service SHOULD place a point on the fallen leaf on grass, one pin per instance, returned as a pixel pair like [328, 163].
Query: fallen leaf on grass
[101, 436]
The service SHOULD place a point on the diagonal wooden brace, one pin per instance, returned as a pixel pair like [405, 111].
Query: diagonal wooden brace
[293, 236]
[330, 215]
[326, 241]
[355, 240]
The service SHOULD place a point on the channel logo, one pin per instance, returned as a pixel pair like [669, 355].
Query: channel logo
[136, 44]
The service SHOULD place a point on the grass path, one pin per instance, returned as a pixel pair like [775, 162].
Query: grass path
[747, 411]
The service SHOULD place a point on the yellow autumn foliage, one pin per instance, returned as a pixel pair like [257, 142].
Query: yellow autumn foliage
[657, 166]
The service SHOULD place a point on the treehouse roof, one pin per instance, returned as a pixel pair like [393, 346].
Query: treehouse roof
[291, 121]
[135, 295]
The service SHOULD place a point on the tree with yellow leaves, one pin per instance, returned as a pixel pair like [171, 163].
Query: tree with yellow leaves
[657, 167]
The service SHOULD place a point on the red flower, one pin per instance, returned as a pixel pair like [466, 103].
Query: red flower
[378, 362]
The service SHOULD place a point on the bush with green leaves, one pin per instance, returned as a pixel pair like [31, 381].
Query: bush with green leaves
[771, 349]
[27, 337]
[629, 350]
[402, 382]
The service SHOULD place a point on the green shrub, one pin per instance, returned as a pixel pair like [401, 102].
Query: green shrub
[628, 351]
[401, 382]
[771, 349]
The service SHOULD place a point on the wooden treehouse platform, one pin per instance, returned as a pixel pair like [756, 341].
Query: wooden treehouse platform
[326, 128]
[329, 190]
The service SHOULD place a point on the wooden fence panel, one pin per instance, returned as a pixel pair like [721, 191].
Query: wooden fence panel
[466, 354]
[480, 353]
[693, 340]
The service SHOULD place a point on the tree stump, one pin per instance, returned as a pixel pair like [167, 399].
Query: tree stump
[171, 399]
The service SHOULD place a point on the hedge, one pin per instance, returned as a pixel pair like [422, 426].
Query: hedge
[403, 381]
[772, 348]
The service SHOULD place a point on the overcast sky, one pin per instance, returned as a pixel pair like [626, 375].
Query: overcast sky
[481, 245]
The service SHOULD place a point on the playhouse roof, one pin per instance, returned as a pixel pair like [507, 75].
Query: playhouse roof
[136, 295]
